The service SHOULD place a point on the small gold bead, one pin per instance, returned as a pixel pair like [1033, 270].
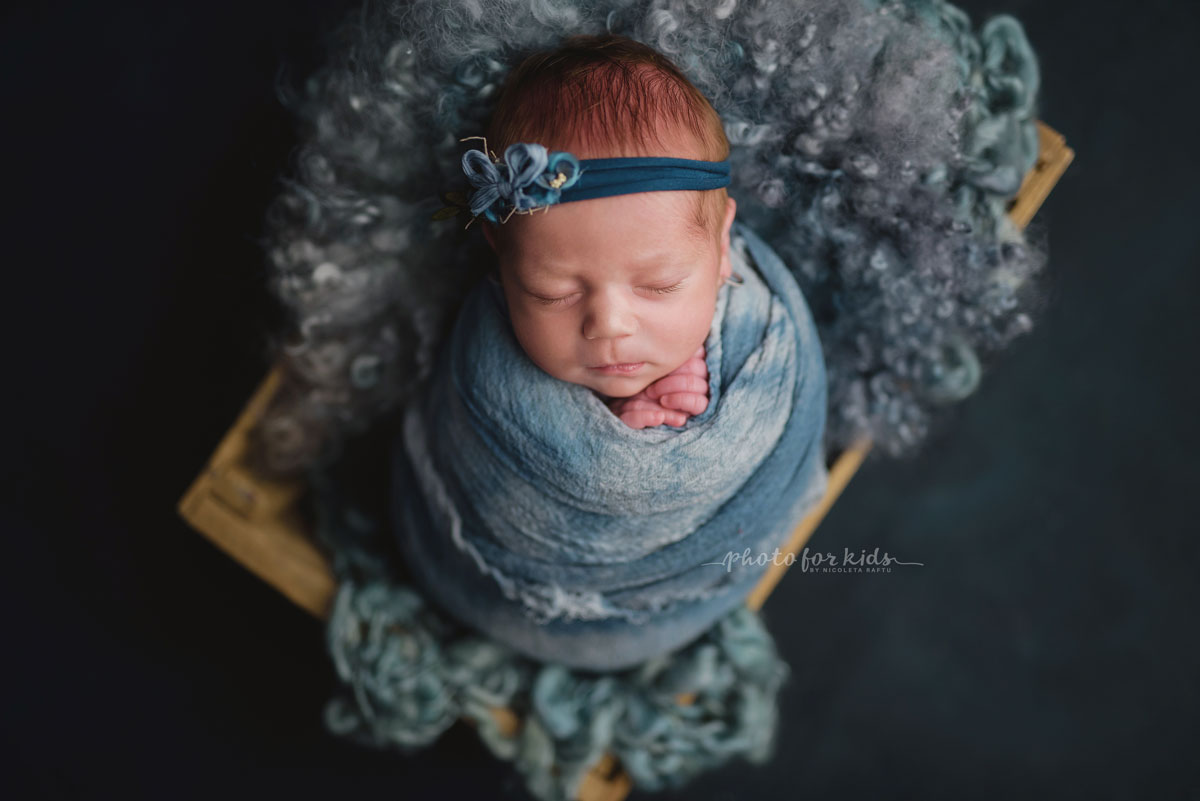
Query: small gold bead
[558, 181]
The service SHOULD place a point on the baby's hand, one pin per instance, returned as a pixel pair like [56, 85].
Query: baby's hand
[670, 400]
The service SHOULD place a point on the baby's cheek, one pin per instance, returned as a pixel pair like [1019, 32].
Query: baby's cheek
[698, 335]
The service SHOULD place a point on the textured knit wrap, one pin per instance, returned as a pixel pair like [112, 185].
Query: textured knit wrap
[529, 511]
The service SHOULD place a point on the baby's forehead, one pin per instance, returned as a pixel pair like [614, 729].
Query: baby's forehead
[616, 220]
[543, 263]
[601, 232]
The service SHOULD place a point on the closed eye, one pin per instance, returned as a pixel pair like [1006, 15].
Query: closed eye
[664, 290]
[558, 301]
[552, 301]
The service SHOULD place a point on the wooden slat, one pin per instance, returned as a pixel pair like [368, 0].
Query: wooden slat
[256, 519]
[1053, 159]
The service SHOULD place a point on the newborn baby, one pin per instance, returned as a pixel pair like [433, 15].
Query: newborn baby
[525, 504]
[616, 293]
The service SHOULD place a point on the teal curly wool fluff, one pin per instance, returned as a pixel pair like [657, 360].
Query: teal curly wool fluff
[1000, 70]
[408, 682]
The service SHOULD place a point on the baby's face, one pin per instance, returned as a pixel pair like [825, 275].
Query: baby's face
[614, 280]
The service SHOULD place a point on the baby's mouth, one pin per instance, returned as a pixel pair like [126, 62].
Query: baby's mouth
[618, 369]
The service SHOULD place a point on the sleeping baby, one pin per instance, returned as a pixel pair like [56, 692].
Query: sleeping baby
[607, 421]
[617, 292]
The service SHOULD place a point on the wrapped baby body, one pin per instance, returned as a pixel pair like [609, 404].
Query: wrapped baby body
[530, 512]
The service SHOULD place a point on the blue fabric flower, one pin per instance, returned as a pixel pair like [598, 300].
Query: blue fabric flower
[528, 177]
[562, 171]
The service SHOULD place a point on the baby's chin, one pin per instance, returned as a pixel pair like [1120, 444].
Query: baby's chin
[610, 385]
[615, 389]
[621, 386]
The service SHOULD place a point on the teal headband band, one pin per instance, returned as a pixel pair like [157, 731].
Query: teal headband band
[530, 177]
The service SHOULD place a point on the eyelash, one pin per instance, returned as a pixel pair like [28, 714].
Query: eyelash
[657, 290]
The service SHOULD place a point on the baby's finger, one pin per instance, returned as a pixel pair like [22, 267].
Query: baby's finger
[639, 404]
[689, 402]
[696, 367]
[643, 418]
[679, 382]
[674, 418]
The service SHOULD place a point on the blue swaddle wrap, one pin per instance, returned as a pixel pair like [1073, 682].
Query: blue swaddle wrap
[529, 511]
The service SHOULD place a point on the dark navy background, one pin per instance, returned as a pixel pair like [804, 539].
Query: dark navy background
[1046, 649]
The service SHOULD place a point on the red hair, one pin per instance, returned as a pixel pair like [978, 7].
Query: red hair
[607, 95]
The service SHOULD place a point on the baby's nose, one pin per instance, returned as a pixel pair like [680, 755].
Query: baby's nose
[607, 317]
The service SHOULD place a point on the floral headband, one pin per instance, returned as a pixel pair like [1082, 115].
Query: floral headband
[531, 177]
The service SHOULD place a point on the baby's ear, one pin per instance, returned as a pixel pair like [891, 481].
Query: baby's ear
[726, 225]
